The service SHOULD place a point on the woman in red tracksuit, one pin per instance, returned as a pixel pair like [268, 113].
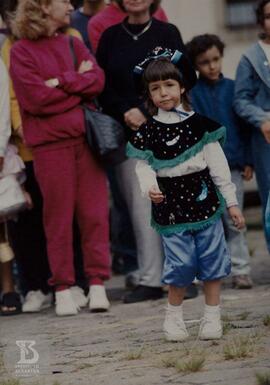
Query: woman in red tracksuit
[50, 90]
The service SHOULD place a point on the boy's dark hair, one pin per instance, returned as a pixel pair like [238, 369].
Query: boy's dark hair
[162, 69]
[153, 7]
[201, 43]
[260, 11]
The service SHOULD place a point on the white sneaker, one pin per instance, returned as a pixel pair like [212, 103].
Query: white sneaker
[98, 300]
[65, 304]
[210, 328]
[36, 301]
[78, 296]
[174, 326]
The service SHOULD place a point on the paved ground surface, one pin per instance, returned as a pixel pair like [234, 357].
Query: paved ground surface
[126, 345]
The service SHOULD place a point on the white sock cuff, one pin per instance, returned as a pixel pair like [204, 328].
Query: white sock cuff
[208, 309]
[176, 308]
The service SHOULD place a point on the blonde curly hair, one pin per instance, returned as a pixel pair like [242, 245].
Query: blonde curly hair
[29, 21]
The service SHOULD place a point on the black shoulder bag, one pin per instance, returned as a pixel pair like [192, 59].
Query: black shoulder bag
[105, 135]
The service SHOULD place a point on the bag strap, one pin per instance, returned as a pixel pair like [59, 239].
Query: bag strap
[76, 65]
[73, 53]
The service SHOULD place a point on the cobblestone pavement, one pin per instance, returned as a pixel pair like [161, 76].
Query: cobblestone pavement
[126, 345]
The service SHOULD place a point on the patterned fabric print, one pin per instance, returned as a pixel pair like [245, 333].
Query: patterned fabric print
[162, 144]
[191, 203]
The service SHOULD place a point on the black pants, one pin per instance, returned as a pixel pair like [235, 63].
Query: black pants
[28, 241]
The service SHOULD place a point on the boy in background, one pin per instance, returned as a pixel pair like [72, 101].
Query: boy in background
[213, 97]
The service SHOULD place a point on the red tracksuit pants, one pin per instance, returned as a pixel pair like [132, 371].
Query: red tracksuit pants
[72, 183]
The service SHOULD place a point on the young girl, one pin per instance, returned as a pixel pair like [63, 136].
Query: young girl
[183, 170]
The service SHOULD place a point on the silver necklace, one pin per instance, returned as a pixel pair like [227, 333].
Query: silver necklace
[137, 35]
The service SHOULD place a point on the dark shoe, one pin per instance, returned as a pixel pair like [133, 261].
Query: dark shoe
[11, 304]
[143, 293]
[191, 292]
[242, 282]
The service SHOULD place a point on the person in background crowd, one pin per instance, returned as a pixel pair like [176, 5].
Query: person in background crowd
[27, 233]
[10, 300]
[212, 96]
[121, 47]
[113, 14]
[50, 90]
[81, 16]
[251, 101]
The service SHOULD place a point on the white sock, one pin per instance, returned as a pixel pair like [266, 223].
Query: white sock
[175, 308]
[212, 311]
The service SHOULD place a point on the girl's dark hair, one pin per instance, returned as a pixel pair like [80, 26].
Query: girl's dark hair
[260, 11]
[153, 7]
[162, 69]
[201, 43]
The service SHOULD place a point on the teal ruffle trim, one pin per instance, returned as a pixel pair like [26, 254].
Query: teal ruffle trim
[172, 229]
[157, 164]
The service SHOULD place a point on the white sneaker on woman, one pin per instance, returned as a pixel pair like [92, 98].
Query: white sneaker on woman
[78, 296]
[174, 326]
[98, 300]
[65, 304]
[35, 301]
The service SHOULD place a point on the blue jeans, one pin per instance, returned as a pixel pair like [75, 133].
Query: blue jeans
[261, 157]
[267, 221]
[236, 239]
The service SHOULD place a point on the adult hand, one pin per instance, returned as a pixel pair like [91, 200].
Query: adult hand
[52, 83]
[86, 65]
[134, 118]
[265, 128]
[237, 217]
[1, 163]
[247, 173]
[155, 194]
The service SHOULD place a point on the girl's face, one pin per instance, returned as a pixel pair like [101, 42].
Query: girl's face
[266, 22]
[166, 94]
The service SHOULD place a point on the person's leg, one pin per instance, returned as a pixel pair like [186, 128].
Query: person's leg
[55, 172]
[212, 292]
[180, 268]
[10, 300]
[149, 249]
[236, 239]
[213, 264]
[28, 239]
[261, 158]
[93, 218]
[123, 244]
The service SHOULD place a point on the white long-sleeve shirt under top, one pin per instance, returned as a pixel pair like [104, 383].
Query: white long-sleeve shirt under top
[5, 129]
[211, 156]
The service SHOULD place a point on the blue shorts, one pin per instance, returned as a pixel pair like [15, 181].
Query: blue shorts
[198, 253]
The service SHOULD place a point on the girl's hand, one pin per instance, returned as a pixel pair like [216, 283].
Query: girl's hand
[134, 118]
[86, 65]
[155, 194]
[237, 217]
[247, 173]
